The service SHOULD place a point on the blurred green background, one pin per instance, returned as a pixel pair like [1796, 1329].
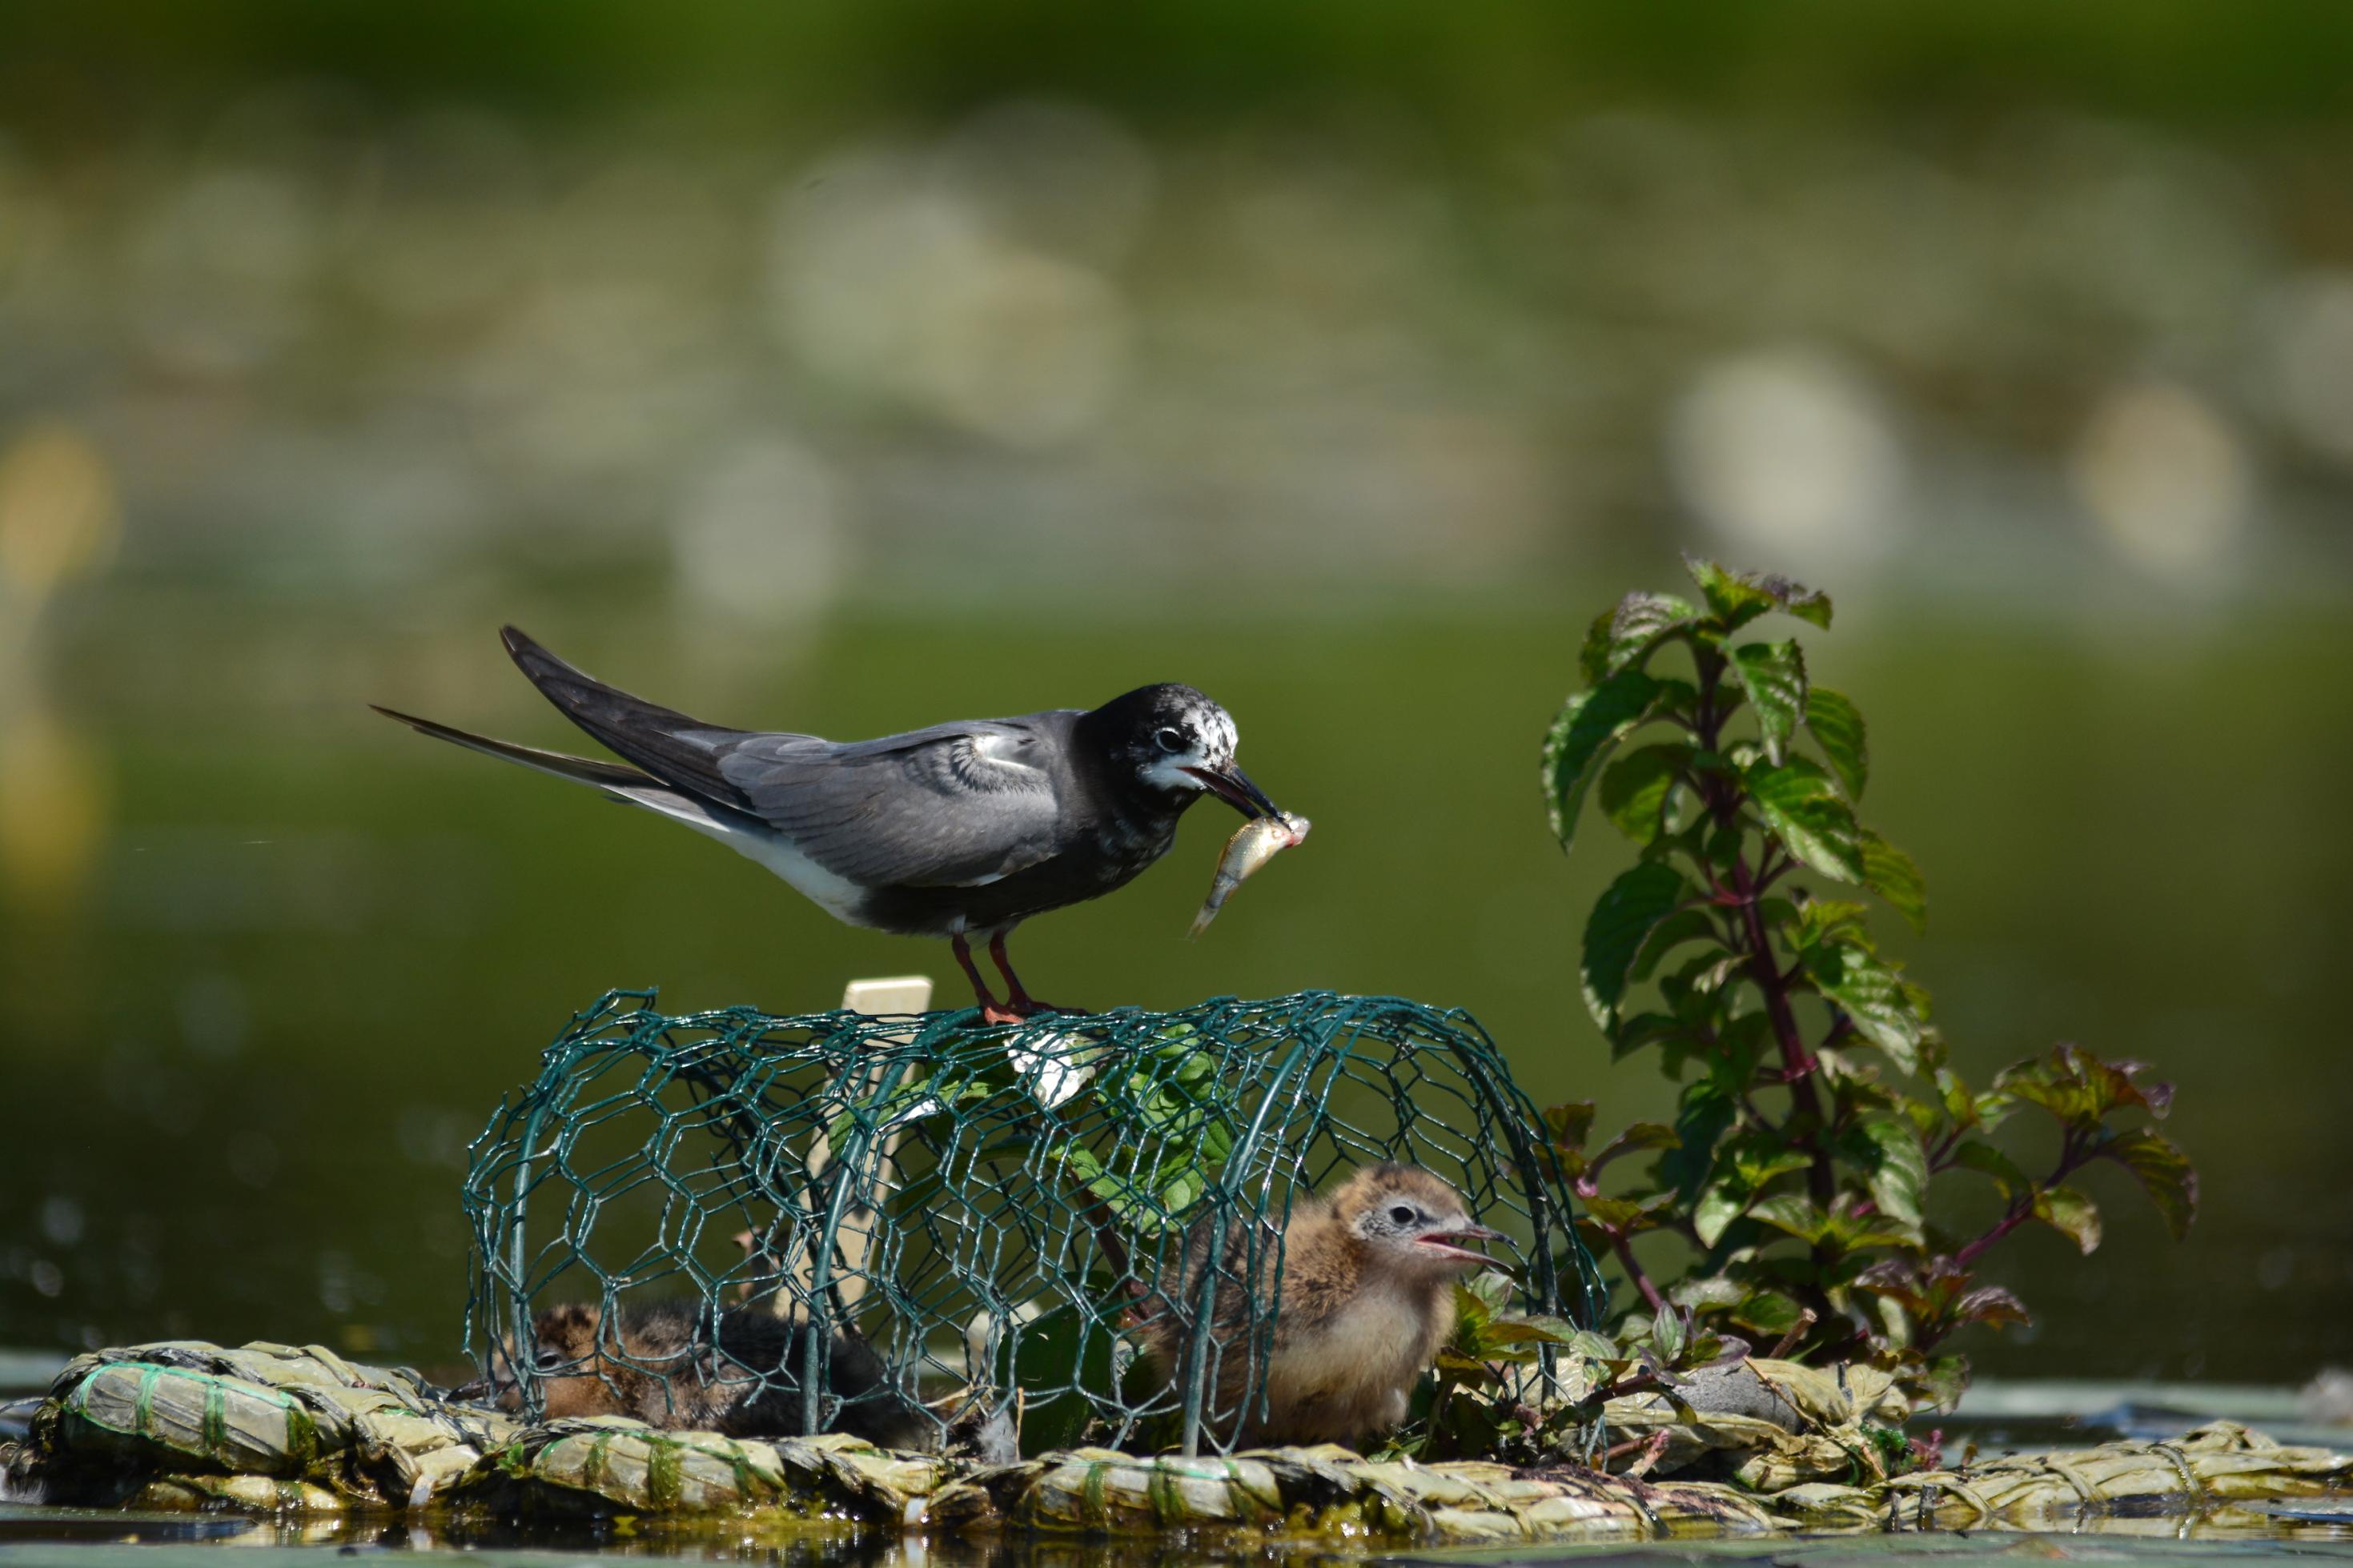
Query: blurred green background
[849, 368]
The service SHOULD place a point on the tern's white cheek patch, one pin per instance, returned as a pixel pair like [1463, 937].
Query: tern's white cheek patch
[1218, 740]
[1170, 772]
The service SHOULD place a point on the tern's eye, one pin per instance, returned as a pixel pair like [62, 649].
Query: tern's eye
[551, 1360]
[1169, 740]
[1402, 1215]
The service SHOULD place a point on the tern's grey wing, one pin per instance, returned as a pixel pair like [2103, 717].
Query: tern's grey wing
[952, 806]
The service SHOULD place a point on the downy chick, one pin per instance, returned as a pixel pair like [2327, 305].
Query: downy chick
[1367, 1297]
[659, 1364]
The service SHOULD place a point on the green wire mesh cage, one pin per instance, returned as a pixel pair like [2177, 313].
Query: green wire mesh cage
[915, 1227]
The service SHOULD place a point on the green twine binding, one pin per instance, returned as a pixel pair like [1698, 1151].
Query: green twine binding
[302, 1439]
[665, 1472]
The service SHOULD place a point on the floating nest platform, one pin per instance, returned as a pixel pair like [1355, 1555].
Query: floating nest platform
[300, 1431]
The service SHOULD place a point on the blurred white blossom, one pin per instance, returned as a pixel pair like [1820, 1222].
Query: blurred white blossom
[2165, 478]
[2311, 362]
[1788, 455]
[761, 533]
[893, 283]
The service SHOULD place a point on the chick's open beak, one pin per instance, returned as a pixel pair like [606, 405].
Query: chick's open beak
[1233, 786]
[1443, 1242]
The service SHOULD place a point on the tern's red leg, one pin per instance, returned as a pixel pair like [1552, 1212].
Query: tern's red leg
[991, 1011]
[1017, 996]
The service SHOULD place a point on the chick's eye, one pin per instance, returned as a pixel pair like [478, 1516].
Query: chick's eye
[1170, 739]
[1402, 1215]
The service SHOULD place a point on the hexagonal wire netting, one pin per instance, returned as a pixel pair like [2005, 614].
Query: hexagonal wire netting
[983, 1207]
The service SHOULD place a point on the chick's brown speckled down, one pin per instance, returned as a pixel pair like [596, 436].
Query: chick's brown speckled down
[1367, 1296]
[663, 1363]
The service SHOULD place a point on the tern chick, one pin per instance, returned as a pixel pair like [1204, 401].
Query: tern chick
[663, 1363]
[1367, 1296]
[961, 830]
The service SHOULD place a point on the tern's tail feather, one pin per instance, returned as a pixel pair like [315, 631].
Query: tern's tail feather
[678, 750]
[580, 770]
[623, 783]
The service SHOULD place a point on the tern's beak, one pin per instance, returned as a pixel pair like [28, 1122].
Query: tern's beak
[1443, 1242]
[1233, 786]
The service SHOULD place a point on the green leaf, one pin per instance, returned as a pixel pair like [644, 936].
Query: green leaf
[1635, 787]
[1774, 676]
[2164, 1170]
[1886, 1010]
[1822, 921]
[1891, 874]
[1622, 1217]
[1640, 1136]
[1762, 1153]
[1899, 1178]
[1707, 1292]
[1687, 924]
[1943, 1382]
[1852, 1232]
[1718, 1206]
[2078, 1088]
[1180, 1192]
[1622, 921]
[1768, 1312]
[1644, 1029]
[1991, 1305]
[1739, 597]
[1808, 605]
[1953, 1092]
[1798, 804]
[1569, 1125]
[1667, 1332]
[1590, 726]
[1593, 656]
[1707, 1109]
[1977, 1156]
[1480, 1297]
[1731, 597]
[1529, 1331]
[1791, 1212]
[1836, 724]
[2070, 1213]
[1622, 637]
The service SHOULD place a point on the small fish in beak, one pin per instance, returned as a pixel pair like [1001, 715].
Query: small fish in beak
[1254, 842]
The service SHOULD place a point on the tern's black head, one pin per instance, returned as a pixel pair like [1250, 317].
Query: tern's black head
[1173, 741]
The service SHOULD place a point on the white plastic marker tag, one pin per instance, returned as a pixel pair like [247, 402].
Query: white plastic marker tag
[881, 998]
[853, 1241]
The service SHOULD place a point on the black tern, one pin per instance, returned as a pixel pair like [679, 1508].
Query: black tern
[960, 830]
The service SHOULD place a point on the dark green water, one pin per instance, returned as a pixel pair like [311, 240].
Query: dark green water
[90, 1540]
[308, 952]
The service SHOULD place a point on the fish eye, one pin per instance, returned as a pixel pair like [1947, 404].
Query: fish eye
[1402, 1215]
[1170, 739]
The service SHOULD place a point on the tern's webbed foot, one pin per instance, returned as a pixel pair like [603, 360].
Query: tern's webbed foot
[1021, 1009]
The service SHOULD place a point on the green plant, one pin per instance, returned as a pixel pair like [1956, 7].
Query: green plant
[1818, 1105]
[1487, 1399]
